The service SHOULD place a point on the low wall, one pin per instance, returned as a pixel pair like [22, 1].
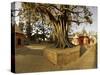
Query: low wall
[62, 56]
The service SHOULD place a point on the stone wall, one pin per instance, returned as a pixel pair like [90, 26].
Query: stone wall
[62, 57]
[51, 56]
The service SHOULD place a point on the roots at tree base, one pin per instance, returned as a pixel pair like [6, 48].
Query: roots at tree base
[67, 45]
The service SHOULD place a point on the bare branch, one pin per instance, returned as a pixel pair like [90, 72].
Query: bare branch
[78, 22]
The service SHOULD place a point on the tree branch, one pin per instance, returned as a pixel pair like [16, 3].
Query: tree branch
[78, 22]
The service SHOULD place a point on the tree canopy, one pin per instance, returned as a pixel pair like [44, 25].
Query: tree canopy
[58, 17]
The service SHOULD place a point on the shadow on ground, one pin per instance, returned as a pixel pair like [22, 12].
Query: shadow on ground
[28, 51]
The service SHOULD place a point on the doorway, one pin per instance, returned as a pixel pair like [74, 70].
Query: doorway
[19, 41]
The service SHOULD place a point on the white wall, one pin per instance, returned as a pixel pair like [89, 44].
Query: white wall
[5, 37]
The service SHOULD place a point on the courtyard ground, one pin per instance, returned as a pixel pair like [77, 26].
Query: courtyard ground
[30, 59]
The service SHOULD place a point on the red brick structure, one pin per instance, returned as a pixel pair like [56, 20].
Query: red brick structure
[19, 37]
[84, 40]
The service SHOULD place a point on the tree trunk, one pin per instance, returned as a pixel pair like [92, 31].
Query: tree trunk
[60, 37]
[61, 32]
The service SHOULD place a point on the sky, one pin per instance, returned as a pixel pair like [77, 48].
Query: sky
[88, 27]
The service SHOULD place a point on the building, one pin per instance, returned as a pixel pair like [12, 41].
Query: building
[19, 37]
[81, 39]
[75, 40]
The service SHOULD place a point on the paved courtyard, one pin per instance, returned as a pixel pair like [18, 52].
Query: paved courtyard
[30, 59]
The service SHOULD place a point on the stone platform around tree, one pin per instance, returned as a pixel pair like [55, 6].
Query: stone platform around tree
[62, 57]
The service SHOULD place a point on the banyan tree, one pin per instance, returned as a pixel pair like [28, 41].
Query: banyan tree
[59, 17]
